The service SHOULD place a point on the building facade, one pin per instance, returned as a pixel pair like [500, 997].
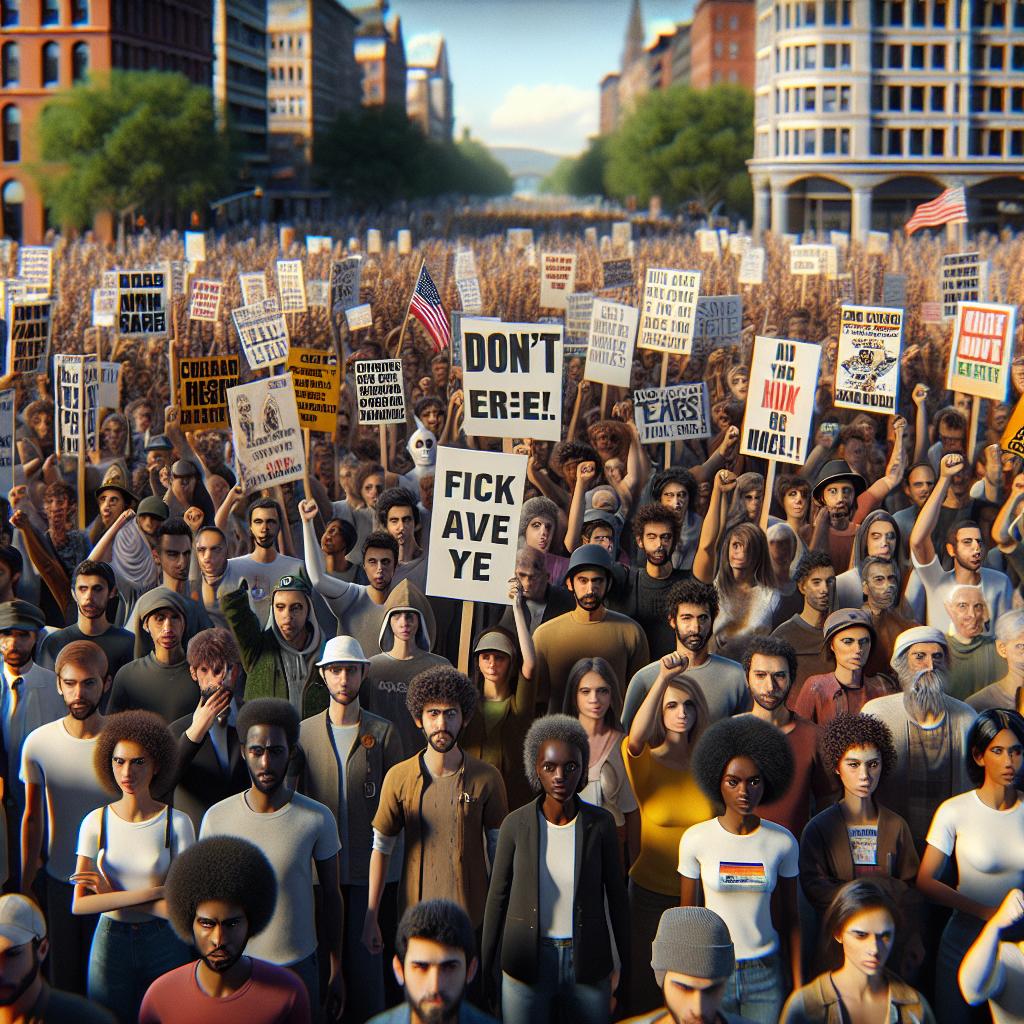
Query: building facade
[380, 54]
[608, 117]
[864, 110]
[429, 95]
[722, 39]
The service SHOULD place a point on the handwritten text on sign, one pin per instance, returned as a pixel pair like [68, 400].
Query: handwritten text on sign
[668, 414]
[610, 347]
[379, 392]
[979, 359]
[557, 279]
[670, 301]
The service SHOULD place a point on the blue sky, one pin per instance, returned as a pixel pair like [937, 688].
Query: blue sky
[526, 71]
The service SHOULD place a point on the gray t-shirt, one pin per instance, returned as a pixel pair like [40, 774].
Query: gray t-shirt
[262, 577]
[384, 689]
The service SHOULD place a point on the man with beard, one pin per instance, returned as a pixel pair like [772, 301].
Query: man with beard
[929, 730]
[964, 545]
[448, 804]
[435, 962]
[221, 894]
[974, 661]
[61, 788]
[294, 832]
[1003, 693]
[112, 498]
[880, 583]
[24, 994]
[541, 600]
[344, 755]
[837, 489]
[691, 608]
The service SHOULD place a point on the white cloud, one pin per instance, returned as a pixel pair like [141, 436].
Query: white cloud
[552, 116]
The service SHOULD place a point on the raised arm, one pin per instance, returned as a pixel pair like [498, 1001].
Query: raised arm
[921, 545]
[712, 527]
[980, 975]
[227, 506]
[672, 666]
[920, 398]
[585, 473]
[102, 549]
[515, 591]
[332, 588]
[722, 456]
[896, 466]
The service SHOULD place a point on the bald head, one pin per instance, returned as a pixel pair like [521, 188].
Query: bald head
[967, 610]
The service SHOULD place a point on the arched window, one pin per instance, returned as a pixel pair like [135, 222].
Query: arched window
[11, 134]
[79, 12]
[10, 13]
[80, 62]
[12, 197]
[51, 64]
[51, 12]
[11, 60]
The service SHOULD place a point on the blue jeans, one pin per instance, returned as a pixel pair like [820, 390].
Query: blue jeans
[756, 989]
[125, 959]
[556, 994]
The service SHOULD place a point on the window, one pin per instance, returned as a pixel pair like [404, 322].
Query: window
[828, 141]
[896, 56]
[828, 14]
[51, 64]
[809, 98]
[828, 99]
[997, 15]
[877, 55]
[918, 10]
[1018, 15]
[1018, 58]
[938, 104]
[734, 23]
[844, 97]
[12, 134]
[844, 141]
[894, 142]
[996, 99]
[917, 57]
[80, 62]
[828, 55]
[977, 98]
[810, 57]
[734, 51]
[50, 14]
[877, 96]
[79, 12]
[1017, 143]
[938, 141]
[995, 143]
[996, 58]
[938, 58]
[11, 64]
[939, 14]
[809, 142]
[894, 99]
[844, 55]
[916, 142]
[718, 47]
[10, 11]
[876, 141]
[1017, 99]
[896, 13]
[917, 98]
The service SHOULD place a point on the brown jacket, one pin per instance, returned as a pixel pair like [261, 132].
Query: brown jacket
[818, 1003]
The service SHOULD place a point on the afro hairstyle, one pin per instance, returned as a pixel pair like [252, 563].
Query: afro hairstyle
[561, 728]
[146, 729]
[268, 711]
[745, 736]
[441, 685]
[221, 868]
[846, 731]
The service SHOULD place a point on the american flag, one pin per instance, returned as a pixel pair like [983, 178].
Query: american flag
[426, 307]
[949, 208]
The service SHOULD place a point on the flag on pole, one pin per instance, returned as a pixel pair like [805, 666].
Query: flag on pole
[426, 307]
[948, 208]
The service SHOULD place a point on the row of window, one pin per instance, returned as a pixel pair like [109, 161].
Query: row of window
[826, 99]
[10, 64]
[832, 56]
[806, 141]
[923, 14]
[997, 100]
[10, 128]
[285, 73]
[719, 49]
[808, 13]
[49, 12]
[294, 106]
[285, 43]
[240, 32]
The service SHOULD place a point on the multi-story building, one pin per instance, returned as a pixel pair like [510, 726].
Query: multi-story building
[52, 44]
[659, 60]
[682, 56]
[608, 118]
[313, 76]
[722, 37]
[240, 80]
[429, 95]
[380, 54]
[863, 110]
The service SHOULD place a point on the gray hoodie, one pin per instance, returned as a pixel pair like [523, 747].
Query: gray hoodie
[296, 662]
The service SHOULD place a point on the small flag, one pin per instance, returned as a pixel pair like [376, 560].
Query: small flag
[426, 307]
[948, 208]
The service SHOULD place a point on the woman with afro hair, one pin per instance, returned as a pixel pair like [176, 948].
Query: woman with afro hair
[857, 836]
[125, 850]
[747, 867]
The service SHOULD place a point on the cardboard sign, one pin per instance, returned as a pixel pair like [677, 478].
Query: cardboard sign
[285, 237]
[104, 307]
[474, 525]
[616, 274]
[590, 236]
[202, 391]
[752, 267]
[610, 343]
[380, 397]
[894, 290]
[707, 242]
[345, 280]
[195, 247]
[840, 239]
[318, 293]
[205, 304]
[263, 332]
[254, 287]
[404, 241]
[807, 260]
[316, 244]
[35, 268]
[979, 358]
[455, 319]
[291, 286]
[738, 245]
[718, 322]
[316, 377]
[469, 295]
[28, 335]
[878, 243]
[868, 359]
[557, 279]
[669, 414]
[75, 378]
[622, 234]
[374, 241]
[266, 433]
[359, 317]
[465, 265]
[669, 307]
[177, 273]
[964, 279]
[578, 310]
[512, 379]
[141, 302]
[109, 393]
[783, 379]
[6, 441]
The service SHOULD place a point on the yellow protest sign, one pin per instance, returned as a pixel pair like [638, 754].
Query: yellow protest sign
[317, 381]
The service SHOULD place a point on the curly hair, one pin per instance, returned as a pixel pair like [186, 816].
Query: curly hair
[771, 647]
[647, 514]
[808, 562]
[440, 921]
[674, 475]
[146, 729]
[745, 736]
[268, 711]
[383, 541]
[560, 728]
[396, 497]
[214, 648]
[441, 685]
[222, 868]
[703, 595]
[363, 471]
[846, 731]
[619, 435]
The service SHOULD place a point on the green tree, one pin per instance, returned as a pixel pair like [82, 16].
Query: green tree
[684, 144]
[582, 175]
[132, 138]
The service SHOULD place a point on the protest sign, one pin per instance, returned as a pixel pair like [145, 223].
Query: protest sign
[512, 379]
[474, 524]
[622, 234]
[669, 305]
[752, 266]
[979, 358]
[738, 244]
[104, 307]
[316, 244]
[931, 313]
[610, 343]
[291, 286]
[1013, 436]
[964, 279]
[777, 423]
[894, 290]
[455, 319]
[557, 279]
[318, 293]
[718, 321]
[358, 317]
[707, 242]
[465, 265]
[830, 261]
[469, 295]
[75, 381]
[673, 413]
[285, 237]
[590, 236]
[404, 241]
[6, 441]
[205, 304]
[868, 358]
[578, 308]
[316, 378]
[519, 238]
[142, 302]
[254, 287]
[28, 335]
[263, 332]
[195, 247]
[616, 274]
[840, 239]
[878, 243]
[266, 432]
[345, 279]
[202, 391]
[807, 260]
[374, 241]
[35, 268]
[6, 245]
[177, 272]
[380, 397]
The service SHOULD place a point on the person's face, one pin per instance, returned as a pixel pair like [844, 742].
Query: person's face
[19, 968]
[57, 509]
[968, 612]
[173, 555]
[441, 724]
[781, 550]
[400, 524]
[1001, 758]
[589, 587]
[657, 542]
[142, 418]
[264, 525]
[82, 689]
[798, 328]
[742, 786]
[266, 756]
[953, 439]
[17, 646]
[533, 579]
[133, 767]
[752, 503]
[816, 587]
[999, 416]
[692, 624]
[739, 557]
[881, 542]
[593, 697]
[769, 680]
[371, 489]
[675, 496]
[920, 484]
[434, 979]
[404, 625]
[559, 768]
[925, 657]
[291, 610]
[539, 533]
[739, 384]
[111, 505]
[211, 553]
[678, 711]
[433, 419]
[854, 452]
[859, 770]
[158, 458]
[881, 585]
[575, 369]
[148, 524]
[838, 497]
[379, 566]
[494, 665]
[114, 435]
[211, 678]
[42, 424]
[166, 626]
[439, 371]
[692, 1000]
[605, 443]
[220, 931]
[967, 549]
[91, 596]
[604, 536]
[867, 939]
[183, 486]
[794, 503]
[332, 542]
[851, 648]
[343, 680]
[1013, 653]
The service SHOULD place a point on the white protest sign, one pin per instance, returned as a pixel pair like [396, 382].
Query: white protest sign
[345, 280]
[669, 414]
[316, 244]
[266, 432]
[807, 260]
[469, 295]
[6, 441]
[622, 234]
[75, 378]
[752, 266]
[404, 241]
[359, 317]
[590, 236]
[979, 358]
[964, 279]
[318, 293]
[142, 298]
[109, 393]
[512, 379]
[177, 272]
[578, 309]
[738, 244]
[263, 332]
[840, 239]
[610, 343]
[29, 326]
[707, 242]
[291, 286]
[380, 397]
[519, 238]
[35, 268]
[474, 524]
[254, 287]
[205, 304]
[557, 279]
[783, 379]
[878, 243]
[465, 265]
[868, 358]
[374, 241]
[104, 307]
[669, 306]
[195, 247]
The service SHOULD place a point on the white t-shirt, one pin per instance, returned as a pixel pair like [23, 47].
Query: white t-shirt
[937, 583]
[1005, 993]
[989, 845]
[62, 764]
[136, 855]
[557, 877]
[738, 875]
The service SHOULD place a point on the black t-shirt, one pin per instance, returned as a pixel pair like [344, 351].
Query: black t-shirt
[642, 598]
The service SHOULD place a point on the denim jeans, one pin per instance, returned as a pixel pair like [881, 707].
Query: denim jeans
[70, 938]
[756, 989]
[125, 959]
[555, 995]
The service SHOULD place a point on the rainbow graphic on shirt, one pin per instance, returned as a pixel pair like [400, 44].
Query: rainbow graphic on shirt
[735, 874]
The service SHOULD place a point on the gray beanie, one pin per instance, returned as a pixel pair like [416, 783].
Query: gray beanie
[693, 941]
[538, 506]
